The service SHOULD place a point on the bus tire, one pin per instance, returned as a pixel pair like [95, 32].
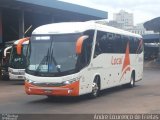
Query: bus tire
[132, 81]
[95, 87]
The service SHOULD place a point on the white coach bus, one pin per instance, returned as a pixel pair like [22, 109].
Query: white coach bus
[76, 58]
[17, 62]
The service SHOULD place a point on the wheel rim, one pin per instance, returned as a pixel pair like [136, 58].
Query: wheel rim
[95, 89]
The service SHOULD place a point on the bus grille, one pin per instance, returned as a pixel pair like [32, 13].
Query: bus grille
[18, 73]
[47, 84]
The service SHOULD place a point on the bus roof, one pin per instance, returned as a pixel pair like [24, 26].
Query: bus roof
[77, 27]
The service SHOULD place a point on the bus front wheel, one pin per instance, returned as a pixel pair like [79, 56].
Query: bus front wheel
[95, 87]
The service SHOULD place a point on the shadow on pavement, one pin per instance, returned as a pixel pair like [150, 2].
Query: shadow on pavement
[72, 100]
[12, 82]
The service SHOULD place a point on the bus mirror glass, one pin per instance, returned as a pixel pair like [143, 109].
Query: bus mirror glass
[79, 44]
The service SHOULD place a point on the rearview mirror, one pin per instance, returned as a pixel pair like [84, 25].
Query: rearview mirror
[6, 51]
[79, 44]
[19, 45]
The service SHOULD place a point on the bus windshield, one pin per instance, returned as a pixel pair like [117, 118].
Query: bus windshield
[55, 55]
[52, 55]
[18, 61]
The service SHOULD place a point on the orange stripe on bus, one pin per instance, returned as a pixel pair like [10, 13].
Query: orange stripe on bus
[55, 91]
[126, 63]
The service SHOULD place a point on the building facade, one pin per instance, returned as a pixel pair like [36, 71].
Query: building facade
[139, 29]
[124, 18]
[115, 24]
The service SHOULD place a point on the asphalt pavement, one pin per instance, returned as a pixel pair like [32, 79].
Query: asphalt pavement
[144, 98]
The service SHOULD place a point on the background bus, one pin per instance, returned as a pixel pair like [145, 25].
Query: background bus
[17, 62]
[76, 58]
[4, 59]
[5, 63]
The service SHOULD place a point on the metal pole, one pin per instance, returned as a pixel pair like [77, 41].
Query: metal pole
[21, 25]
[0, 27]
[159, 49]
[28, 29]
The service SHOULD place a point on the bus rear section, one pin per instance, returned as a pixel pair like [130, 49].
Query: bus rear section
[79, 60]
[17, 62]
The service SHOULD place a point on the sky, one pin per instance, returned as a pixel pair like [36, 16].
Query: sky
[143, 10]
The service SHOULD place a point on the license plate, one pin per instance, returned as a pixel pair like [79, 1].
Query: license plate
[48, 91]
[20, 77]
[21, 71]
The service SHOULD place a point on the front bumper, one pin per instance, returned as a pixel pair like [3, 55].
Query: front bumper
[67, 90]
[16, 77]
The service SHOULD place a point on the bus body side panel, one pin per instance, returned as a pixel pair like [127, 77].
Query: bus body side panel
[86, 81]
[109, 67]
[139, 66]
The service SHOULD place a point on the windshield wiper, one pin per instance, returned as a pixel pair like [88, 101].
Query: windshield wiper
[49, 59]
[38, 68]
[55, 62]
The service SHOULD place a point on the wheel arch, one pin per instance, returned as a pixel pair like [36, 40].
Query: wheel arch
[99, 79]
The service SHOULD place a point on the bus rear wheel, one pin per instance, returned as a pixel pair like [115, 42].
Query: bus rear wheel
[95, 87]
[132, 81]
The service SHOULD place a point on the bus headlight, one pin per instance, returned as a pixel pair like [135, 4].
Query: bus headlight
[67, 82]
[10, 70]
[29, 81]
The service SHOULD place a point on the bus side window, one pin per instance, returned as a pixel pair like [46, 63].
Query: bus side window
[125, 40]
[104, 43]
[132, 45]
[139, 46]
[98, 49]
[110, 43]
[118, 42]
[87, 49]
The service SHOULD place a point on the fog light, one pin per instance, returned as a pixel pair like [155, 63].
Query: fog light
[29, 81]
[29, 89]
